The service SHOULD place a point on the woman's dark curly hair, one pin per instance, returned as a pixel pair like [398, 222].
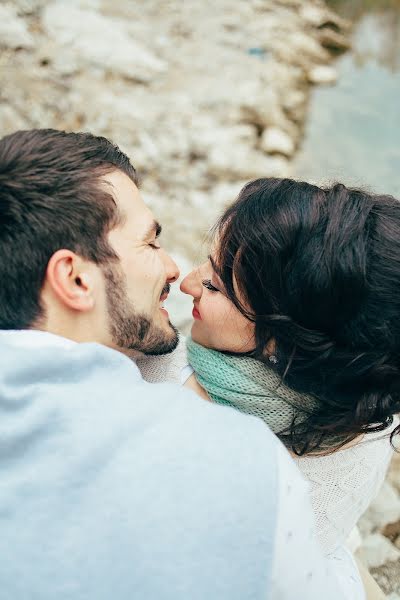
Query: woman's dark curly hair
[318, 271]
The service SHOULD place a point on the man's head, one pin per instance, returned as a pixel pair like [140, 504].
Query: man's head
[79, 254]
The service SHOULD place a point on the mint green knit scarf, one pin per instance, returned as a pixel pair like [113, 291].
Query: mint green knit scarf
[249, 386]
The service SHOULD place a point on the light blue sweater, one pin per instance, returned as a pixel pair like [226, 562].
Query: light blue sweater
[112, 488]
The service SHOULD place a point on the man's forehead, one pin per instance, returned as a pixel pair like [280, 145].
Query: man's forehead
[124, 190]
[135, 215]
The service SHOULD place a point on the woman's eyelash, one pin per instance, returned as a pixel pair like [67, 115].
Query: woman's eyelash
[209, 286]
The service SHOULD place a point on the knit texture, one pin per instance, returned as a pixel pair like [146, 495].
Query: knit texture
[343, 483]
[249, 386]
[165, 367]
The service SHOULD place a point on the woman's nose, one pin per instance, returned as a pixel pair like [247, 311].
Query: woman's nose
[191, 284]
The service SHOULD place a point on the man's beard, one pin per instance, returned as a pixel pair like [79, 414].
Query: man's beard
[131, 330]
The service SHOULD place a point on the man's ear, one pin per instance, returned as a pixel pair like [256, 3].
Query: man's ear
[69, 278]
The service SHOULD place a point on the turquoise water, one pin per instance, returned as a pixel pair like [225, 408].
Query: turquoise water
[353, 130]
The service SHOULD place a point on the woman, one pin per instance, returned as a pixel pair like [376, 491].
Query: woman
[296, 320]
[302, 290]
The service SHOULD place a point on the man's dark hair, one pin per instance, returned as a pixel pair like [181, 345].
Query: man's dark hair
[318, 271]
[51, 198]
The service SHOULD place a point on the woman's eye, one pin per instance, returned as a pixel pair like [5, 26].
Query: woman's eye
[209, 286]
[155, 245]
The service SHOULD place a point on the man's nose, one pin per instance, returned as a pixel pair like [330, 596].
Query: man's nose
[191, 284]
[172, 269]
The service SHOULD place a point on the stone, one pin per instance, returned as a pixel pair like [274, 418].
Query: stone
[241, 162]
[387, 577]
[300, 49]
[394, 472]
[13, 29]
[377, 550]
[205, 139]
[385, 508]
[259, 105]
[100, 41]
[224, 193]
[295, 103]
[392, 532]
[28, 7]
[91, 4]
[10, 120]
[276, 141]
[315, 15]
[320, 17]
[333, 40]
[322, 74]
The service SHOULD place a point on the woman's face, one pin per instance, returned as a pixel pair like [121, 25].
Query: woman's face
[218, 324]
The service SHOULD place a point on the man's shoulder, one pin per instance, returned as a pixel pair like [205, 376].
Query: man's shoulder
[200, 423]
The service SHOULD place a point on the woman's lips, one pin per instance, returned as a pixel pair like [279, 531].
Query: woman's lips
[196, 314]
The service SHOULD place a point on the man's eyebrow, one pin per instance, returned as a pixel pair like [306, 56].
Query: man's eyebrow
[155, 228]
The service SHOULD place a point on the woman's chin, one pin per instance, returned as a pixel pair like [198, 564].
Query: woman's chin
[198, 335]
[203, 340]
[194, 333]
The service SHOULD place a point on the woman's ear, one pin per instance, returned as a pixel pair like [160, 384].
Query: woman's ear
[270, 351]
[69, 279]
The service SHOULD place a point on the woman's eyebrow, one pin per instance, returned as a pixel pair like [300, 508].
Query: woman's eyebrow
[212, 261]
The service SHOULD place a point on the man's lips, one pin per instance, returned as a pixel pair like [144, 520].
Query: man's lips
[165, 292]
[164, 295]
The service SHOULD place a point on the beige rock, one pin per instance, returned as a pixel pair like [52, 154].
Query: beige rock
[333, 40]
[259, 104]
[28, 7]
[225, 193]
[385, 508]
[276, 141]
[322, 74]
[394, 472]
[377, 550]
[13, 29]
[100, 41]
[242, 162]
[295, 104]
[10, 120]
[319, 16]
[205, 139]
[300, 49]
[315, 15]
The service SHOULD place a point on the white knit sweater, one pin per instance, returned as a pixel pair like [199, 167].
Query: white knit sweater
[343, 484]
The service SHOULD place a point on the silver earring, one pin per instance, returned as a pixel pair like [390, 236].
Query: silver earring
[273, 359]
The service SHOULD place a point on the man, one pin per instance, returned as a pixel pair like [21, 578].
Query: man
[112, 487]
